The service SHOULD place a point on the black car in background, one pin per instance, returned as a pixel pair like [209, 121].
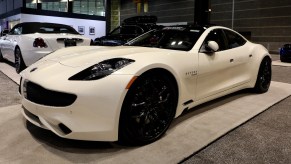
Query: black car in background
[4, 32]
[130, 28]
[285, 53]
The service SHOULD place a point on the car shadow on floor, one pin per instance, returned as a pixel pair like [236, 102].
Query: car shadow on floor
[187, 114]
[49, 138]
[9, 63]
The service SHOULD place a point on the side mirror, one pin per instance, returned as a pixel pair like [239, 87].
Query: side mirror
[212, 46]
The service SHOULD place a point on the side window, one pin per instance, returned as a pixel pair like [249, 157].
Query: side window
[233, 39]
[218, 37]
[16, 31]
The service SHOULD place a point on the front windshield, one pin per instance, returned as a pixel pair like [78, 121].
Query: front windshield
[174, 38]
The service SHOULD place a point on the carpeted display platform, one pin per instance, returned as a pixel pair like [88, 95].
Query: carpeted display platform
[22, 142]
[10, 72]
[279, 63]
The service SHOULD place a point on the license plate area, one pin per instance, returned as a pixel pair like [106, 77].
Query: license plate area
[70, 42]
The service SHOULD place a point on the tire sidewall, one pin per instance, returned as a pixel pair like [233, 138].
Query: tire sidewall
[20, 65]
[258, 87]
[125, 135]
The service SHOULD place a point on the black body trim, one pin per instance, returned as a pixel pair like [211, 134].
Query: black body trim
[42, 96]
[188, 102]
[31, 115]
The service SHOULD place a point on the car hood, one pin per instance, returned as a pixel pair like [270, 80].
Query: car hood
[89, 55]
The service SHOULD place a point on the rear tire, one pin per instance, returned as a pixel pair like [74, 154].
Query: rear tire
[148, 109]
[19, 63]
[264, 76]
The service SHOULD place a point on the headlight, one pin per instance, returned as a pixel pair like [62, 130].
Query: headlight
[102, 69]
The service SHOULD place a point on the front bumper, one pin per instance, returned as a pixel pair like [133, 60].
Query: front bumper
[94, 115]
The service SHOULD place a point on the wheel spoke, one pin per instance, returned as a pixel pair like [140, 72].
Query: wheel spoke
[266, 75]
[151, 110]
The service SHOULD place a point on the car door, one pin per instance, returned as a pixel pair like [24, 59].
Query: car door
[236, 46]
[10, 41]
[216, 71]
[4, 45]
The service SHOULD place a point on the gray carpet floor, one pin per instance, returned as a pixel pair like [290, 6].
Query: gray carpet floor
[9, 91]
[264, 139]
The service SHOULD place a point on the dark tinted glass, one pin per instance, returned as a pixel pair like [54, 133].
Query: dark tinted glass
[168, 38]
[17, 30]
[234, 40]
[218, 37]
[47, 28]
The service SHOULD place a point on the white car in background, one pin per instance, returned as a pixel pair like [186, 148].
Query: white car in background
[28, 42]
[132, 93]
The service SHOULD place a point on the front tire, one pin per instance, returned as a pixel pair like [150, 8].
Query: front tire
[148, 109]
[19, 63]
[264, 76]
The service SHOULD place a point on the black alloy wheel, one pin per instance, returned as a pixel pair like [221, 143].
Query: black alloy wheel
[148, 109]
[264, 76]
[1, 56]
[19, 64]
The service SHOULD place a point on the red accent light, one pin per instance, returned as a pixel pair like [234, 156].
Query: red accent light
[39, 42]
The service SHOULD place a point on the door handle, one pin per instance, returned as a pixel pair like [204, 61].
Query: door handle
[231, 60]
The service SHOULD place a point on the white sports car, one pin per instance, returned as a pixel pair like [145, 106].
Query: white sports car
[132, 93]
[28, 42]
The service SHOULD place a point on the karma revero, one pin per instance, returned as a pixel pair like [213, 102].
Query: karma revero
[132, 93]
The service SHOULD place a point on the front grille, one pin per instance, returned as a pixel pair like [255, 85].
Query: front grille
[42, 96]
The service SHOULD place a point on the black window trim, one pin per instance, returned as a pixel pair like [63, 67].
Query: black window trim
[224, 38]
[227, 39]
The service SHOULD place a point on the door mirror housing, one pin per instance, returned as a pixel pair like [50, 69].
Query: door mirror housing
[211, 46]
